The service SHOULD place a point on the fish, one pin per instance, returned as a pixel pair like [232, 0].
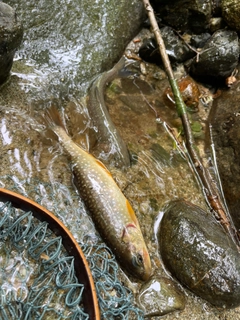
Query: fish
[111, 212]
[115, 149]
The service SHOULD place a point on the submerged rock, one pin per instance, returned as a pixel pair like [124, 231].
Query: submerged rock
[199, 40]
[197, 251]
[164, 157]
[11, 33]
[160, 296]
[218, 57]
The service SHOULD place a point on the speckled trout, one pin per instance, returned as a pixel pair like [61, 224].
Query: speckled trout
[111, 212]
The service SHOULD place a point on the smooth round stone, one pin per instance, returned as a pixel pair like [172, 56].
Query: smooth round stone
[160, 296]
[196, 250]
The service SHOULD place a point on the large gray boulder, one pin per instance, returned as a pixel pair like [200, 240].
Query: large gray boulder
[72, 41]
[11, 33]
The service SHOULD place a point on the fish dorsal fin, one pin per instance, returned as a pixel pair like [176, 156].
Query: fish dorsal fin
[103, 166]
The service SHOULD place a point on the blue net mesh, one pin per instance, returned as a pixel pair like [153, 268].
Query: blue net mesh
[38, 279]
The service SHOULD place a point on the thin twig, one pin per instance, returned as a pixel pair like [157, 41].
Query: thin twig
[188, 45]
[211, 193]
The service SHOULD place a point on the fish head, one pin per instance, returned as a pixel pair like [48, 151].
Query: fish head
[139, 264]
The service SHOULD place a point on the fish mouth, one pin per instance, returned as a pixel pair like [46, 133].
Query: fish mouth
[143, 274]
[146, 274]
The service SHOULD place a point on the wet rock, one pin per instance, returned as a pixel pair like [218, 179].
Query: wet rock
[197, 251]
[185, 14]
[176, 48]
[148, 51]
[216, 24]
[199, 40]
[231, 13]
[11, 33]
[164, 157]
[219, 56]
[74, 41]
[225, 120]
[160, 296]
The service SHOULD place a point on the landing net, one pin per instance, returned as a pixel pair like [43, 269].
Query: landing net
[38, 279]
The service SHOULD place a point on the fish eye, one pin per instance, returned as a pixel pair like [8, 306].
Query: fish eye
[138, 260]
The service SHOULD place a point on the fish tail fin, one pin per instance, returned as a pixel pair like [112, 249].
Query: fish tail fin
[53, 118]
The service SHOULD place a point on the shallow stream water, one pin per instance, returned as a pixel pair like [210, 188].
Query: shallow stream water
[33, 163]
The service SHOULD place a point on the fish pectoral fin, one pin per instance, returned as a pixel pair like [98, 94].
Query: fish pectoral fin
[126, 234]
